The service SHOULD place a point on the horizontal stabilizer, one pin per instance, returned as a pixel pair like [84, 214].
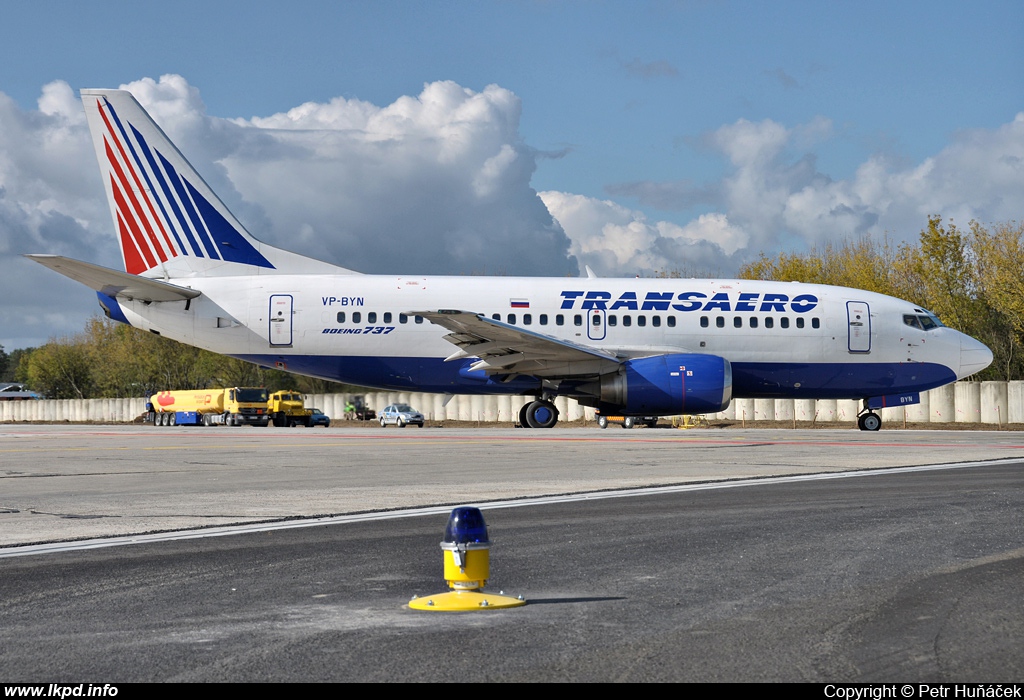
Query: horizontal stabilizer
[114, 283]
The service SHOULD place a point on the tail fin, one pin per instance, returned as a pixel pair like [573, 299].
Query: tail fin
[169, 222]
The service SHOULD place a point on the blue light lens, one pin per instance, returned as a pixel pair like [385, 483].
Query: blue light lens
[466, 525]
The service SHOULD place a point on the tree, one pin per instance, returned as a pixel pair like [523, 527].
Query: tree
[61, 370]
[971, 280]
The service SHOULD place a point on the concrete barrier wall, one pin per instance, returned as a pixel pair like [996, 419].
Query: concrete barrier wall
[990, 403]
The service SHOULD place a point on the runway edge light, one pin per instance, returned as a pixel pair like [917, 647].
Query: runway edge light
[467, 566]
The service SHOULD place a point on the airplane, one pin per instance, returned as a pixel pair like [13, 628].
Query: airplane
[633, 347]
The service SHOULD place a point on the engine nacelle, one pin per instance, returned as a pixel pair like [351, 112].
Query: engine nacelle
[666, 385]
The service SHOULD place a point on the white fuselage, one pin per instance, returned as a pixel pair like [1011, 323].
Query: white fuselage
[783, 339]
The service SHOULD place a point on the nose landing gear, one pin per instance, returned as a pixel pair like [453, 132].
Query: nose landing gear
[869, 421]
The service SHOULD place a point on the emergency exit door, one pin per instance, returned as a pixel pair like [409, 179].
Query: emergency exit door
[596, 324]
[281, 308]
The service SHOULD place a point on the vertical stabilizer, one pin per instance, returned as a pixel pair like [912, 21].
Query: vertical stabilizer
[169, 222]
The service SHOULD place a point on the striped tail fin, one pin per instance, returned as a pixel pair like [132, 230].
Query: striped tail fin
[168, 221]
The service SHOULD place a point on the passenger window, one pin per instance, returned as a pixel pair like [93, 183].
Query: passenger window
[671, 321]
[595, 320]
[496, 317]
[613, 320]
[341, 317]
[703, 321]
[577, 320]
[402, 318]
[559, 320]
[527, 319]
[769, 322]
[737, 322]
[753, 321]
[720, 321]
[357, 317]
[800, 322]
[371, 317]
[419, 319]
[815, 323]
[511, 319]
[543, 319]
[387, 317]
[641, 320]
[627, 320]
[656, 321]
[784, 321]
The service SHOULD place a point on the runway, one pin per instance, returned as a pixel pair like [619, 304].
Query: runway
[729, 574]
[60, 482]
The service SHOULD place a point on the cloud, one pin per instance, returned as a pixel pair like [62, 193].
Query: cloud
[51, 201]
[784, 79]
[677, 194]
[437, 183]
[775, 198]
[654, 69]
[613, 239]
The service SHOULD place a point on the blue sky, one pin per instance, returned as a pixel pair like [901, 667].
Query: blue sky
[691, 135]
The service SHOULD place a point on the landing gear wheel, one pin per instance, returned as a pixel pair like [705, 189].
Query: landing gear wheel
[541, 414]
[522, 417]
[869, 421]
[628, 422]
[602, 422]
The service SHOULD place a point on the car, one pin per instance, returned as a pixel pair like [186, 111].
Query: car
[318, 417]
[626, 421]
[400, 414]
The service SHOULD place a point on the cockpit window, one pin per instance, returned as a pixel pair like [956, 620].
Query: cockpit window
[924, 321]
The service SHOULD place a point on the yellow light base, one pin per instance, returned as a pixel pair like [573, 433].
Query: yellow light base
[464, 601]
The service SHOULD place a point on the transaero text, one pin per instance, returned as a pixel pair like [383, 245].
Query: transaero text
[690, 301]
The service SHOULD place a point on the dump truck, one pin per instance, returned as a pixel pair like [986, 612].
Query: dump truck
[232, 406]
[288, 409]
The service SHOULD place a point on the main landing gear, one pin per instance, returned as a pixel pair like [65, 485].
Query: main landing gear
[538, 414]
[869, 421]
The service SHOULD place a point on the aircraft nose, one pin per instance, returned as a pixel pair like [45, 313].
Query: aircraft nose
[974, 356]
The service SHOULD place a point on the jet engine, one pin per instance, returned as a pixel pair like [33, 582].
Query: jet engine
[666, 385]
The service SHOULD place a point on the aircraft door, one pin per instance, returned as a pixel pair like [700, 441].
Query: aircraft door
[281, 310]
[596, 324]
[858, 319]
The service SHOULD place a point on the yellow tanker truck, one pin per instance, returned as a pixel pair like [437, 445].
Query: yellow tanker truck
[234, 406]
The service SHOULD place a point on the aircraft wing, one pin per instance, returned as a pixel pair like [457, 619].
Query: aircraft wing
[114, 283]
[509, 350]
